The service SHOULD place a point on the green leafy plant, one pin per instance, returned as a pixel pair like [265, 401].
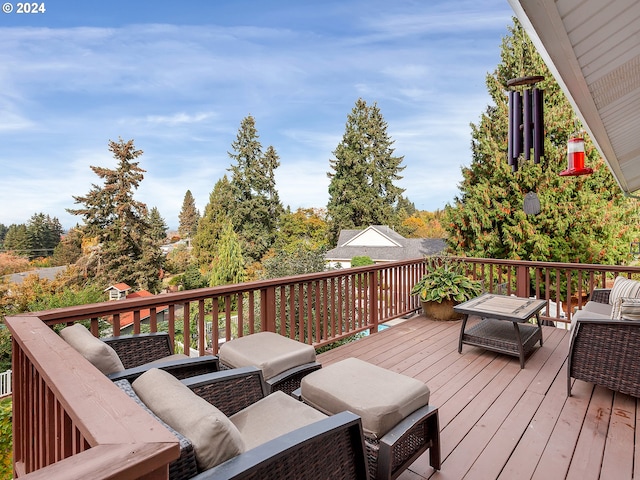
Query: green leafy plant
[6, 441]
[446, 279]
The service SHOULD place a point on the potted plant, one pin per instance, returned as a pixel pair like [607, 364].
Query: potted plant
[444, 285]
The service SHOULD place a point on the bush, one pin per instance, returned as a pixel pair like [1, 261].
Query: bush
[361, 261]
[6, 443]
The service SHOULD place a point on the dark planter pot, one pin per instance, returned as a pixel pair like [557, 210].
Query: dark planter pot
[441, 311]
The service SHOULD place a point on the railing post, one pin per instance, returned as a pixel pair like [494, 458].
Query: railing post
[268, 309]
[522, 281]
[373, 301]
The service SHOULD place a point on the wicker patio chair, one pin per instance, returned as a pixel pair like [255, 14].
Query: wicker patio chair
[605, 352]
[329, 448]
[136, 354]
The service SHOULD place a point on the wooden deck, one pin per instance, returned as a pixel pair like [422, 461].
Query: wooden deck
[498, 421]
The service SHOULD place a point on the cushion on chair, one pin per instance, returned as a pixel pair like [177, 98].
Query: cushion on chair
[629, 308]
[624, 287]
[215, 439]
[592, 311]
[169, 358]
[381, 397]
[268, 351]
[272, 416]
[101, 355]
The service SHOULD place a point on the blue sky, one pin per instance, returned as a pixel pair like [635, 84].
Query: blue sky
[178, 77]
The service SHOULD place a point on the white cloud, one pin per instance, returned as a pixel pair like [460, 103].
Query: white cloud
[181, 91]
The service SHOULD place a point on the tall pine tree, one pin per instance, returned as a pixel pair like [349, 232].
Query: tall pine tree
[257, 206]
[362, 191]
[228, 264]
[216, 214]
[43, 233]
[583, 219]
[157, 226]
[189, 216]
[127, 250]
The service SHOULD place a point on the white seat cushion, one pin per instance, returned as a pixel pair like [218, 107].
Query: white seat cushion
[381, 397]
[215, 439]
[101, 355]
[271, 417]
[268, 351]
[593, 311]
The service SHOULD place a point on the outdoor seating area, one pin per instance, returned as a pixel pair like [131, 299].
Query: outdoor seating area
[479, 414]
[251, 434]
[242, 410]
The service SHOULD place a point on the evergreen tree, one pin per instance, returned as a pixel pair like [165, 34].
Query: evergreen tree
[228, 264]
[3, 232]
[210, 226]
[43, 233]
[17, 240]
[127, 251]
[257, 207]
[69, 249]
[157, 226]
[362, 190]
[189, 217]
[583, 219]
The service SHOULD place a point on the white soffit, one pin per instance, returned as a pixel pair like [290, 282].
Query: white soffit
[592, 48]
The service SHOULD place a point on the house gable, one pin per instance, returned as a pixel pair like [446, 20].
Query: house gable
[381, 244]
[372, 237]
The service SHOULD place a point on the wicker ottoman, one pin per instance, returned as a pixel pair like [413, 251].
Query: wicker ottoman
[283, 361]
[398, 422]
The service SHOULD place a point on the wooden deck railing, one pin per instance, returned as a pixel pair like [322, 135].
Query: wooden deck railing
[317, 308]
[568, 285]
[71, 422]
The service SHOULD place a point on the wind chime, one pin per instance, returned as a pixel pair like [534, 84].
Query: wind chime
[526, 129]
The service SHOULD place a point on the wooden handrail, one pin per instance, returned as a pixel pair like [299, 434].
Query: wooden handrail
[63, 407]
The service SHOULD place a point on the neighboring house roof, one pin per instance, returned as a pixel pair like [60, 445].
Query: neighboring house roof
[121, 287]
[381, 243]
[126, 319]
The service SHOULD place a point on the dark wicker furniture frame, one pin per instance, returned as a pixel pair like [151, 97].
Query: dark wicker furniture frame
[136, 351]
[392, 454]
[502, 333]
[287, 381]
[605, 352]
[331, 448]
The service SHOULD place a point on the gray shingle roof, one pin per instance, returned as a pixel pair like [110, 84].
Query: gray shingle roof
[409, 247]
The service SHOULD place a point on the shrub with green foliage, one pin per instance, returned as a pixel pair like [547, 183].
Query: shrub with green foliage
[6, 441]
[361, 261]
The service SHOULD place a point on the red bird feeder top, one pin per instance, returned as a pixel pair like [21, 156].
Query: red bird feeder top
[575, 159]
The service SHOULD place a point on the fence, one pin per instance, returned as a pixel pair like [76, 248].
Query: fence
[5, 383]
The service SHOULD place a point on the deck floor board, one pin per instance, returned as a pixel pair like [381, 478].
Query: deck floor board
[500, 421]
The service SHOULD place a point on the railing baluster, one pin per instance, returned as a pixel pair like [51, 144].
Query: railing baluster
[186, 329]
[201, 327]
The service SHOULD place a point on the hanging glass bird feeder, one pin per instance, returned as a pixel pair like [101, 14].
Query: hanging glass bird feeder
[575, 158]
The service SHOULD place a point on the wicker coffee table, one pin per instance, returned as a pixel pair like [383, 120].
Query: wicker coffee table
[504, 324]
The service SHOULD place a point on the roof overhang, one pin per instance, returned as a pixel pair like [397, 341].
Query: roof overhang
[592, 49]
